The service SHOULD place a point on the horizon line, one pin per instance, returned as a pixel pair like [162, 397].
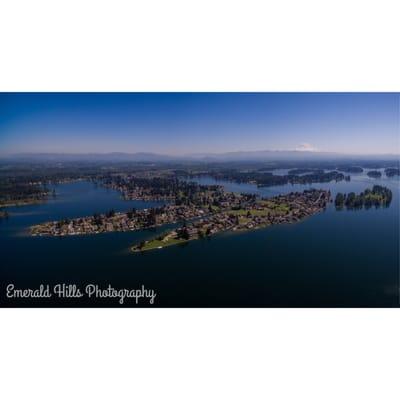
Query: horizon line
[195, 154]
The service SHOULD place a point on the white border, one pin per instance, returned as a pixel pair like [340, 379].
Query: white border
[179, 45]
[199, 354]
[308, 45]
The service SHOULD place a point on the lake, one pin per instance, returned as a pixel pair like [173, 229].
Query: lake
[332, 259]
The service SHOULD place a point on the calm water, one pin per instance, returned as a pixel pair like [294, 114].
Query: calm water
[346, 258]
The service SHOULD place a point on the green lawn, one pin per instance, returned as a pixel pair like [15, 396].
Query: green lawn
[282, 207]
[374, 197]
[261, 213]
[252, 212]
[155, 244]
[270, 208]
[237, 212]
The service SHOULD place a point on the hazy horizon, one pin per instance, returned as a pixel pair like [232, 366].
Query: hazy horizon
[82, 153]
[184, 124]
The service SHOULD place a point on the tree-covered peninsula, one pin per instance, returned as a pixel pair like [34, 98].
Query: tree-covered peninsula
[390, 172]
[374, 174]
[378, 196]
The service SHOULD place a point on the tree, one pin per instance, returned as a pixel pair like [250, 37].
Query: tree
[110, 213]
[130, 213]
[339, 200]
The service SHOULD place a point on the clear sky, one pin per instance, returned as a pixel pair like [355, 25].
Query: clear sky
[183, 123]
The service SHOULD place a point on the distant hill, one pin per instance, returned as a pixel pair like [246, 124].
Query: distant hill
[264, 155]
[116, 156]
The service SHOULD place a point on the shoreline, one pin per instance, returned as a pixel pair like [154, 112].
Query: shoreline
[23, 203]
[238, 231]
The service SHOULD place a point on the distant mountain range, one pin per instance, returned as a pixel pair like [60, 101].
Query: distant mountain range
[264, 155]
[115, 156]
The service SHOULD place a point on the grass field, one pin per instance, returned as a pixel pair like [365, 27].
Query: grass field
[155, 244]
[279, 209]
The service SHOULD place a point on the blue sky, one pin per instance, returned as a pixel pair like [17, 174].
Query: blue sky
[183, 123]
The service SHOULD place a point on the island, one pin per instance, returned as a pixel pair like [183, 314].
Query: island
[258, 213]
[302, 171]
[378, 196]
[374, 174]
[209, 207]
[390, 172]
[160, 188]
[266, 179]
[351, 169]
